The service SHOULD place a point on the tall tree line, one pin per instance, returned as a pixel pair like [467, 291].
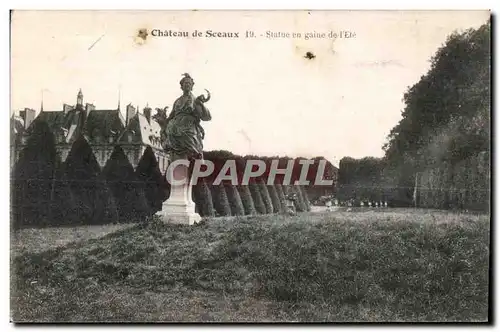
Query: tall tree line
[47, 191]
[437, 148]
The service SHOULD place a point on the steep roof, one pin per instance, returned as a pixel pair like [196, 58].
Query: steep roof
[16, 128]
[140, 131]
[150, 131]
[102, 124]
[65, 126]
[17, 124]
[54, 119]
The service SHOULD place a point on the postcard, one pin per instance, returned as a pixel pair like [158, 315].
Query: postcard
[250, 166]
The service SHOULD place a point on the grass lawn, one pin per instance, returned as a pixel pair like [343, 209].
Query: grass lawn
[33, 240]
[376, 265]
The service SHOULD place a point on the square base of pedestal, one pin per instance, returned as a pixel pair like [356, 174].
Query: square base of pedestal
[178, 213]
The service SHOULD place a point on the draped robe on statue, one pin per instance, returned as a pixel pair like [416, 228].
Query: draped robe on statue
[183, 133]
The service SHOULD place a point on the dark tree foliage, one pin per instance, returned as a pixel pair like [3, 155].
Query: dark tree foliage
[203, 199]
[266, 198]
[220, 200]
[247, 200]
[95, 202]
[446, 118]
[277, 207]
[281, 195]
[300, 204]
[220, 157]
[307, 204]
[34, 178]
[257, 197]
[234, 199]
[329, 173]
[156, 186]
[63, 200]
[362, 179]
[127, 188]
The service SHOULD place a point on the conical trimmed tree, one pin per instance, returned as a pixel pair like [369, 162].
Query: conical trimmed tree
[247, 200]
[33, 179]
[289, 189]
[95, 202]
[281, 195]
[274, 198]
[234, 199]
[220, 200]
[257, 197]
[305, 197]
[63, 201]
[202, 197]
[265, 195]
[156, 187]
[127, 189]
[300, 205]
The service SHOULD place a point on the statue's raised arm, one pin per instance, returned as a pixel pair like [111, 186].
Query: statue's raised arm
[201, 110]
[183, 133]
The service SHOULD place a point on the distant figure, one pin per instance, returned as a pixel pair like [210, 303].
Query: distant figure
[369, 204]
[290, 203]
[362, 204]
[385, 204]
[328, 205]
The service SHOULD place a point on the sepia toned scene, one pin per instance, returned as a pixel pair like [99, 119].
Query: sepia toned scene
[250, 166]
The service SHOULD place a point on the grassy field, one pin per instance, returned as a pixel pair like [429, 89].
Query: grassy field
[36, 240]
[385, 265]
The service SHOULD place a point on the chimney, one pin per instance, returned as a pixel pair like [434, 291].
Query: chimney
[147, 113]
[28, 115]
[130, 113]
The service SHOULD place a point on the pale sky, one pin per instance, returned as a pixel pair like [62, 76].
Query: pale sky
[267, 99]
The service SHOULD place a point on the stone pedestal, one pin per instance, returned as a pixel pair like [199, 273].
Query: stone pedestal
[179, 208]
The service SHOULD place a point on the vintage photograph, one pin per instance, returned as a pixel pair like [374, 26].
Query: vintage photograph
[278, 166]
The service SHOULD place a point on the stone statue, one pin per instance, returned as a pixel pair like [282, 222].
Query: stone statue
[183, 133]
[183, 139]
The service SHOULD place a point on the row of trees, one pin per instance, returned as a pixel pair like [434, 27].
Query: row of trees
[437, 150]
[446, 122]
[361, 180]
[47, 191]
[226, 199]
[258, 197]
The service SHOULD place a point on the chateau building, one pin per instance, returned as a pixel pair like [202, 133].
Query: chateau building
[103, 129]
